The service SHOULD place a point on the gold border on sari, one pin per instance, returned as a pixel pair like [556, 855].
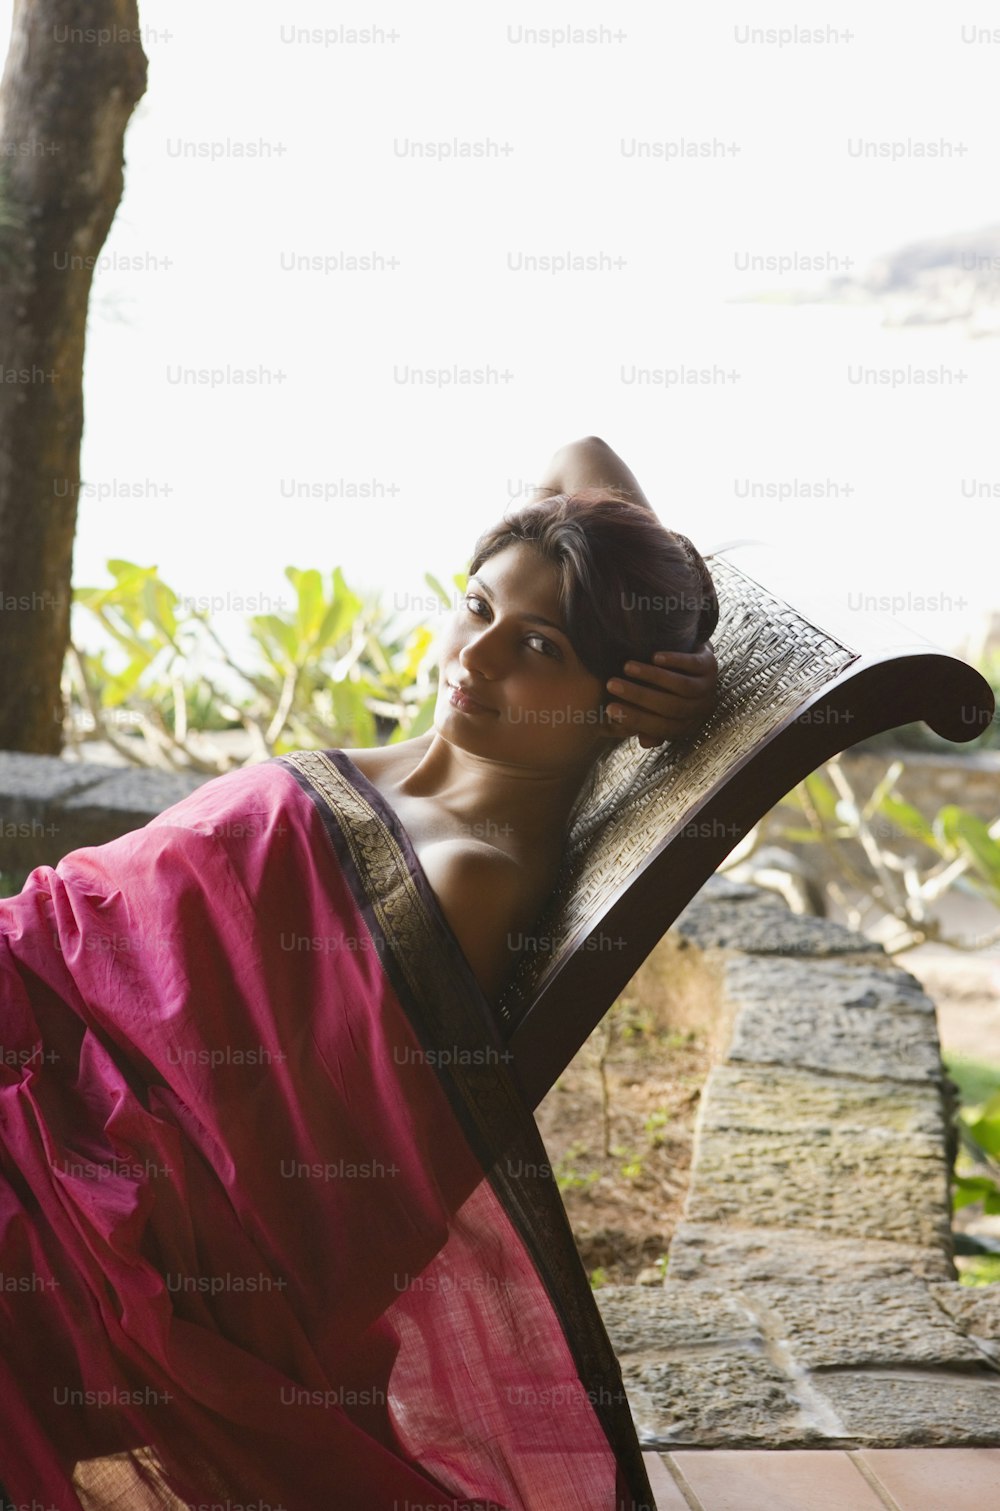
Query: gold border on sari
[486, 1097]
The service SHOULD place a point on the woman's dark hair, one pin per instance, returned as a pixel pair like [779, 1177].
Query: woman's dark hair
[629, 586]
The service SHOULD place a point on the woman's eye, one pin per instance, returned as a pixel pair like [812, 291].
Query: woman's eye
[481, 609]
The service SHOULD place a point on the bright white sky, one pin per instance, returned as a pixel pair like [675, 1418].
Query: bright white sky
[346, 182]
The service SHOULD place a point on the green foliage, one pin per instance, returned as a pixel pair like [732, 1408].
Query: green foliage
[654, 1126]
[568, 1177]
[958, 833]
[460, 581]
[334, 671]
[969, 1189]
[983, 1269]
[634, 1167]
[976, 1177]
[901, 862]
[976, 1080]
[598, 1278]
[979, 1129]
[629, 1020]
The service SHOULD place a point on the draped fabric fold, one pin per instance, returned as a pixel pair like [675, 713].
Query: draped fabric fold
[276, 1229]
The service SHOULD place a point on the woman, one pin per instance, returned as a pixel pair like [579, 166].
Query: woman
[276, 1226]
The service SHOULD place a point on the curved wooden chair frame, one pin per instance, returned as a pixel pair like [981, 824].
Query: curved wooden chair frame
[799, 681]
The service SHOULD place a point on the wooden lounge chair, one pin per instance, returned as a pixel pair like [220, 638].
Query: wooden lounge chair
[801, 679]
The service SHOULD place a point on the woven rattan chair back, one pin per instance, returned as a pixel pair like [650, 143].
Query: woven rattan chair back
[791, 694]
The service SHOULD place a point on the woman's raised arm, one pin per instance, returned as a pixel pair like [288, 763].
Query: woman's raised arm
[672, 698]
[589, 463]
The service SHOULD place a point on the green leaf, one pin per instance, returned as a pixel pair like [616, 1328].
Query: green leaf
[883, 788]
[977, 1080]
[158, 601]
[127, 571]
[341, 614]
[968, 1189]
[275, 633]
[129, 642]
[124, 593]
[418, 724]
[88, 596]
[971, 838]
[983, 1269]
[130, 580]
[120, 686]
[311, 605]
[436, 587]
[986, 1129]
[908, 819]
[389, 671]
[379, 657]
[823, 797]
[415, 651]
[352, 713]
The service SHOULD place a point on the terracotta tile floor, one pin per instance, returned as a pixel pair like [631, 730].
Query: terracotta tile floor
[868, 1479]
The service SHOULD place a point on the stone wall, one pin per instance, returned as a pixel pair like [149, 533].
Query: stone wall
[49, 806]
[810, 1297]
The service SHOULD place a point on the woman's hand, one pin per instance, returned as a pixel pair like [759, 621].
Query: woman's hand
[674, 698]
[667, 701]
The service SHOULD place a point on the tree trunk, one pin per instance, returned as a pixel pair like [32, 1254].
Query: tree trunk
[74, 73]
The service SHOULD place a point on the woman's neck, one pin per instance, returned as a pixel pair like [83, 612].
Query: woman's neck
[492, 797]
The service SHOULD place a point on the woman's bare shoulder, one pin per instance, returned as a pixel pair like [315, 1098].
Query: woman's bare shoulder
[482, 893]
[389, 762]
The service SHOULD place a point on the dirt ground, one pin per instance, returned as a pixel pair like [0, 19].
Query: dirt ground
[624, 1204]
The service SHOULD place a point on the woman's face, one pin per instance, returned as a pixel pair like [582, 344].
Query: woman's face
[512, 687]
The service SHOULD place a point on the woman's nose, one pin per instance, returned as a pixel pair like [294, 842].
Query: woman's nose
[482, 654]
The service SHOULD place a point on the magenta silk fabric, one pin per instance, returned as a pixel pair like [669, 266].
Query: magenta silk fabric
[270, 1234]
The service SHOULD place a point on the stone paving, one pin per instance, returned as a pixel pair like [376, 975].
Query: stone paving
[871, 1479]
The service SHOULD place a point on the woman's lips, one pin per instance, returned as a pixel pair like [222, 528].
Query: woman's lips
[466, 704]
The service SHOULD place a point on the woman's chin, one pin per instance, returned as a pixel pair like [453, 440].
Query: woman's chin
[535, 742]
[461, 730]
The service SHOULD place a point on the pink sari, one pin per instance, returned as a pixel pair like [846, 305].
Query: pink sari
[276, 1229]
